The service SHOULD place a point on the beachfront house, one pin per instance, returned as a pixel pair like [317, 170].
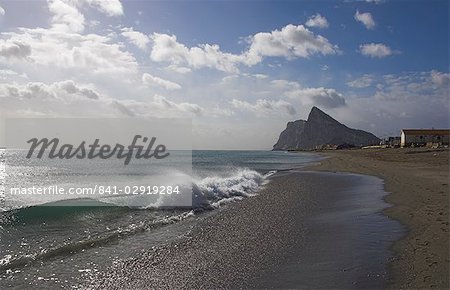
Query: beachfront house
[424, 137]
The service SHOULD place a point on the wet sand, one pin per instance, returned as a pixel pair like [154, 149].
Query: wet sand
[418, 182]
[303, 230]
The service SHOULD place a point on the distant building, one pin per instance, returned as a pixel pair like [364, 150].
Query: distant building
[423, 137]
[391, 142]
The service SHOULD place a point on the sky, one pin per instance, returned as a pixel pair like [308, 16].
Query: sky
[240, 69]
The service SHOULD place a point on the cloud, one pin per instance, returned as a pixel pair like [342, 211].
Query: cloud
[2, 11]
[362, 82]
[408, 86]
[65, 98]
[14, 49]
[290, 42]
[135, 37]
[66, 17]
[150, 80]
[71, 88]
[439, 78]
[109, 7]
[72, 68]
[123, 109]
[284, 84]
[30, 90]
[327, 98]
[378, 50]
[160, 106]
[63, 51]
[366, 19]
[220, 111]
[179, 69]
[164, 103]
[77, 66]
[90, 54]
[375, 1]
[263, 106]
[405, 100]
[7, 73]
[166, 48]
[37, 90]
[317, 21]
[260, 76]
[68, 98]
[426, 82]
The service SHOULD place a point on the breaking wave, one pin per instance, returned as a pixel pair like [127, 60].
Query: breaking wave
[211, 192]
[208, 194]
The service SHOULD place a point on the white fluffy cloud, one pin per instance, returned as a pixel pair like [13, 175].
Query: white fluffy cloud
[90, 53]
[289, 42]
[68, 98]
[439, 78]
[68, 18]
[70, 87]
[366, 19]
[362, 82]
[135, 37]
[150, 80]
[14, 49]
[109, 7]
[327, 98]
[166, 48]
[263, 106]
[378, 50]
[97, 62]
[65, 98]
[2, 11]
[317, 21]
[64, 50]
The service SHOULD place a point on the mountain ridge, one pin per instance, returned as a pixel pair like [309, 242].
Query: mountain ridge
[321, 129]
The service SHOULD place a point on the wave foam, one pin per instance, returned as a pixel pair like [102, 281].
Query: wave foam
[211, 192]
[208, 193]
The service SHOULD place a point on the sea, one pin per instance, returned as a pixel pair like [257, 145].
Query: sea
[46, 246]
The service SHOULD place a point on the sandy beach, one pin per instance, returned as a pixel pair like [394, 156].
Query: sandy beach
[304, 230]
[418, 182]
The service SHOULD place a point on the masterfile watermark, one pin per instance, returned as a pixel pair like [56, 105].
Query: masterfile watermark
[97, 189]
[128, 162]
[96, 150]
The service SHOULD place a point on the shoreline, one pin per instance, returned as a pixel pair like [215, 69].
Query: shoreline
[302, 230]
[417, 181]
